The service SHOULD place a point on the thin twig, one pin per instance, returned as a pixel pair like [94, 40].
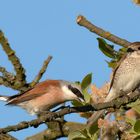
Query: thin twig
[41, 72]
[116, 104]
[82, 21]
[7, 137]
[6, 83]
[20, 72]
[7, 75]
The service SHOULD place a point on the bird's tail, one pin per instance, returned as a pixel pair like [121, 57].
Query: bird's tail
[4, 98]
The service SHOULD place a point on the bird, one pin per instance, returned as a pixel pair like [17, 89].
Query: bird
[45, 96]
[126, 78]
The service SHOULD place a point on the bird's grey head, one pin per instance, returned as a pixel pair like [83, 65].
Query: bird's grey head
[135, 46]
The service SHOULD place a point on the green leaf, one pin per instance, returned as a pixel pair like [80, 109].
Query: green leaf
[112, 64]
[137, 109]
[95, 136]
[137, 137]
[93, 129]
[84, 132]
[123, 49]
[77, 103]
[76, 134]
[87, 96]
[86, 81]
[137, 126]
[77, 82]
[107, 49]
[136, 103]
[79, 138]
[131, 121]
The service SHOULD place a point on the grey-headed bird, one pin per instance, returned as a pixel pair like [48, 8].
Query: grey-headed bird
[45, 95]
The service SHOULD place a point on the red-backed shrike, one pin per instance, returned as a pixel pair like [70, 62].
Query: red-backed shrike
[126, 77]
[45, 95]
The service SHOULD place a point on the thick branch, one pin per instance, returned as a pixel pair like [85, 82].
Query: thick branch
[41, 72]
[17, 82]
[50, 134]
[20, 72]
[6, 137]
[82, 21]
[116, 104]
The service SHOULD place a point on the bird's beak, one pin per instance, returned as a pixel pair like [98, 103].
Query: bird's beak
[81, 98]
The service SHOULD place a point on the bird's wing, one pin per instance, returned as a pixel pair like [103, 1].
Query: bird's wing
[38, 90]
[115, 69]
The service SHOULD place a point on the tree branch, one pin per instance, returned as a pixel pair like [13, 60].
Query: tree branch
[116, 104]
[18, 82]
[41, 72]
[50, 134]
[82, 21]
[4, 82]
[7, 76]
[6, 137]
[20, 72]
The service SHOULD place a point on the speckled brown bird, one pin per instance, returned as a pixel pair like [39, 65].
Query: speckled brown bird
[126, 77]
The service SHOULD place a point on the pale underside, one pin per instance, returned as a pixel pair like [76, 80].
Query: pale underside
[127, 76]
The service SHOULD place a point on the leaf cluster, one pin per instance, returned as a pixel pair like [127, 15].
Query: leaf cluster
[109, 51]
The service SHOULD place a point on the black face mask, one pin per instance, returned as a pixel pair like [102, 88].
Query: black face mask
[76, 92]
[130, 50]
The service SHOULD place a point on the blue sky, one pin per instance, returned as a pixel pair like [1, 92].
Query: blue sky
[36, 29]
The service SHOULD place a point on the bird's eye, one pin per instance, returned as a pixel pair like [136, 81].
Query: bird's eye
[130, 50]
[138, 48]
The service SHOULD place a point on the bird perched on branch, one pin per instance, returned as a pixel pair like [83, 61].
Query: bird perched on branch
[45, 95]
[126, 77]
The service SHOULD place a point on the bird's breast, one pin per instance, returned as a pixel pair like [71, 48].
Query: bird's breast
[127, 76]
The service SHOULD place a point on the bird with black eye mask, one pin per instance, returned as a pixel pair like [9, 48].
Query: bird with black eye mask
[45, 95]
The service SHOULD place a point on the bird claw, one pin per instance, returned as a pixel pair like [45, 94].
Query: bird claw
[124, 94]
